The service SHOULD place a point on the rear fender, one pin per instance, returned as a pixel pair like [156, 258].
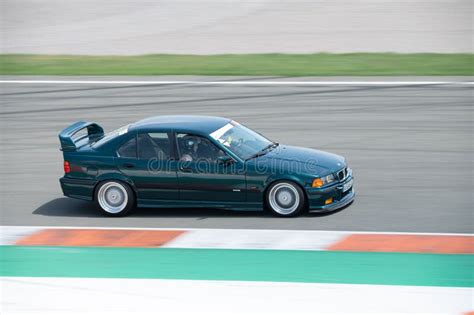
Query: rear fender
[118, 177]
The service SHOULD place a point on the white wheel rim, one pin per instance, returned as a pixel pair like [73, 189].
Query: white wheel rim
[284, 198]
[112, 197]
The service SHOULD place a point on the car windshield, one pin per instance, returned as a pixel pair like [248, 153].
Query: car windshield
[240, 140]
[109, 136]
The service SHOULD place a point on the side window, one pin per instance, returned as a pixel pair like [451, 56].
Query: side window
[154, 146]
[128, 149]
[194, 148]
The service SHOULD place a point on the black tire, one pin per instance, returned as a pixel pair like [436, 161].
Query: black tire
[285, 199]
[114, 198]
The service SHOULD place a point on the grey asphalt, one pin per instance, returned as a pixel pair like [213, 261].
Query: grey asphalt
[130, 27]
[410, 148]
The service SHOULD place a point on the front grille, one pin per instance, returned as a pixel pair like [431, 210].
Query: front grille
[342, 174]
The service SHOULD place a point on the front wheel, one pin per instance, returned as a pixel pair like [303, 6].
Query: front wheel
[114, 198]
[285, 199]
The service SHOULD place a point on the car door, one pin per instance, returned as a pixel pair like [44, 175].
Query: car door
[152, 168]
[206, 172]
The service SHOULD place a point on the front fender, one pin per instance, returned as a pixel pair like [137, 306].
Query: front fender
[278, 177]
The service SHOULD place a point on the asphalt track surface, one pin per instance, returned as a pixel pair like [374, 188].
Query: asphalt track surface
[410, 147]
[126, 27]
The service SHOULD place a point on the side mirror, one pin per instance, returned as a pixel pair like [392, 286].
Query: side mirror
[225, 160]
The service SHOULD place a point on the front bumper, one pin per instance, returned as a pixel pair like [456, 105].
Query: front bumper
[317, 196]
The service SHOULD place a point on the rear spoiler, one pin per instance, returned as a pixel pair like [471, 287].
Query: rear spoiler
[70, 142]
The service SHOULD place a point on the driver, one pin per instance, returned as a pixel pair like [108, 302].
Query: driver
[191, 145]
[197, 148]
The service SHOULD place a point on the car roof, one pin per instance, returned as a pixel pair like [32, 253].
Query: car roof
[188, 123]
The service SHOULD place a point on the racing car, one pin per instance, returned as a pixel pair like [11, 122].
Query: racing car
[198, 161]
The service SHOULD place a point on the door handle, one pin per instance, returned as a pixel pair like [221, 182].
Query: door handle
[185, 169]
[128, 165]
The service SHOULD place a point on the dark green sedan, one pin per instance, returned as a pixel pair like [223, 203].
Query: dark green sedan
[198, 161]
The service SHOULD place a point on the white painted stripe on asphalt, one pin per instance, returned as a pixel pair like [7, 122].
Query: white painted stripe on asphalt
[256, 239]
[156, 296]
[315, 83]
[238, 230]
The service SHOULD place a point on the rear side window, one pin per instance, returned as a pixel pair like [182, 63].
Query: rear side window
[156, 145]
[128, 149]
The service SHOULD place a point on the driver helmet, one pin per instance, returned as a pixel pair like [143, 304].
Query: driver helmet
[191, 142]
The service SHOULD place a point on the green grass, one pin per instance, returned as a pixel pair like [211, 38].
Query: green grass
[322, 64]
[242, 265]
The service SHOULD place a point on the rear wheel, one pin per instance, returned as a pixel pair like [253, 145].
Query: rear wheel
[114, 198]
[285, 199]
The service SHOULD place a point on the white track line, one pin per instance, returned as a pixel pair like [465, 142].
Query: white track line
[314, 83]
[234, 230]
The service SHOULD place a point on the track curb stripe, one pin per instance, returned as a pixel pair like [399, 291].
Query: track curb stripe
[405, 244]
[239, 239]
[94, 237]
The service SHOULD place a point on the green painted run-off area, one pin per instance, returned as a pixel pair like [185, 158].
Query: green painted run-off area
[245, 265]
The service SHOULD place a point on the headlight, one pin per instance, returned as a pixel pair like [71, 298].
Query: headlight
[329, 179]
[319, 182]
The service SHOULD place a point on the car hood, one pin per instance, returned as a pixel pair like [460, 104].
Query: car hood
[314, 160]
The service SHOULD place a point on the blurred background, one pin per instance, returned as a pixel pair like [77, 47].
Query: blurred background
[140, 27]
